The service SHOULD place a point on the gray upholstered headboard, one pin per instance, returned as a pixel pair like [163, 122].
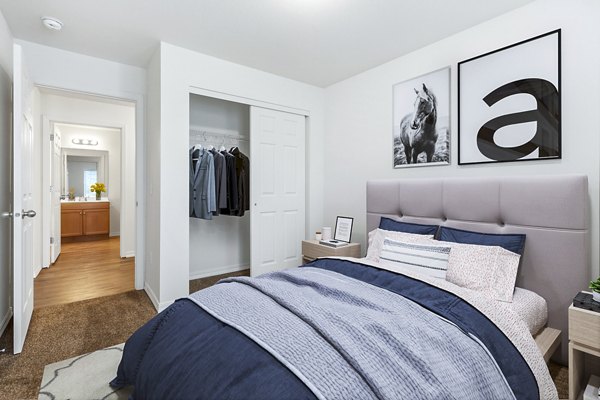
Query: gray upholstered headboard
[551, 210]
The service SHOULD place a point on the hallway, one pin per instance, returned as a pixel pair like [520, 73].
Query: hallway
[84, 271]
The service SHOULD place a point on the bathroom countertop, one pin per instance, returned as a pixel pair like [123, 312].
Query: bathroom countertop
[85, 201]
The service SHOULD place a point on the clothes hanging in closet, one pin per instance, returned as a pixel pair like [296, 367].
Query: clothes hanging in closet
[220, 180]
[242, 166]
[202, 184]
[232, 185]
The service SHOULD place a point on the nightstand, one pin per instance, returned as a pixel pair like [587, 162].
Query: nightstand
[584, 349]
[312, 249]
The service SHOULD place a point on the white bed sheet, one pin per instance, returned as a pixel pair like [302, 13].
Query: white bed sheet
[531, 307]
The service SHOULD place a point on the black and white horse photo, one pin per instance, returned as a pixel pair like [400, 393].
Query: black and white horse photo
[422, 136]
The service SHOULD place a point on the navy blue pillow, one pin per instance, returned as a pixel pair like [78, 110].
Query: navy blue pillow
[389, 224]
[514, 242]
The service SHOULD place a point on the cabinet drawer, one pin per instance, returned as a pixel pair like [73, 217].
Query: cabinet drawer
[311, 249]
[584, 327]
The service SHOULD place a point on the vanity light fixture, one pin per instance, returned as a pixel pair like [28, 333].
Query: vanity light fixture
[52, 23]
[87, 142]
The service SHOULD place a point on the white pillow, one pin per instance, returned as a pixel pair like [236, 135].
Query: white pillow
[488, 269]
[424, 259]
[376, 237]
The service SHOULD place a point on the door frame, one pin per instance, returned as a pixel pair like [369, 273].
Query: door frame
[140, 170]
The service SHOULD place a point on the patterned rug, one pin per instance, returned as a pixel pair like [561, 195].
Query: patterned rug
[84, 377]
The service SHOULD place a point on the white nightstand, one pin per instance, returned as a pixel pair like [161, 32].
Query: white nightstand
[311, 249]
[584, 349]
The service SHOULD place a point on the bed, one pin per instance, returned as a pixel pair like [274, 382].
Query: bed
[353, 328]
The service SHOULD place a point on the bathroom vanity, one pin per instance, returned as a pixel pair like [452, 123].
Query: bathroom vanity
[85, 220]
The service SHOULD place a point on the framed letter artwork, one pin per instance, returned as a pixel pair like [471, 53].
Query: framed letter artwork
[421, 113]
[343, 229]
[509, 103]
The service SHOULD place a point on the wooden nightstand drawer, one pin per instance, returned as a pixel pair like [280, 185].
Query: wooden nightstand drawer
[584, 327]
[311, 249]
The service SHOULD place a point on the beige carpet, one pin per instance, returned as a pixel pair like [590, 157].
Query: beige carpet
[65, 331]
[68, 330]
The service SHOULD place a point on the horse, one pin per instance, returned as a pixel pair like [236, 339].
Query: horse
[417, 130]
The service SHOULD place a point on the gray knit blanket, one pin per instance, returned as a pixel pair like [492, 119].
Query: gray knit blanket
[347, 339]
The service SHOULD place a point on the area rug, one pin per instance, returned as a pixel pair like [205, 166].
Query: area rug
[84, 377]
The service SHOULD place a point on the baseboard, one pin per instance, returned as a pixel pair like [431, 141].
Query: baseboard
[36, 271]
[218, 271]
[113, 234]
[157, 305]
[5, 320]
[128, 254]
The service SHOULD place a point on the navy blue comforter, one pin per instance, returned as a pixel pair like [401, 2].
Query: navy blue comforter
[185, 353]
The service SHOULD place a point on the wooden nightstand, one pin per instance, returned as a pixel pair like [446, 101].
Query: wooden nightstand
[311, 249]
[584, 349]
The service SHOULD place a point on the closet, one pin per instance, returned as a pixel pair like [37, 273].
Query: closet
[268, 236]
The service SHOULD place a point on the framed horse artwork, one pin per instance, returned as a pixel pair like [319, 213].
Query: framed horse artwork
[421, 115]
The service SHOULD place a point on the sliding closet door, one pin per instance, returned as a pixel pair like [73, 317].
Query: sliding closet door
[277, 184]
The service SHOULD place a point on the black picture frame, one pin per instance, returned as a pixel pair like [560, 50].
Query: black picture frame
[341, 236]
[549, 106]
[435, 87]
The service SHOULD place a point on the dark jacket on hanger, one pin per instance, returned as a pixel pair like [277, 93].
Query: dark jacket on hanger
[242, 165]
[232, 185]
[220, 180]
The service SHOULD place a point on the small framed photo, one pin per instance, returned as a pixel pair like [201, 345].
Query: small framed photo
[343, 229]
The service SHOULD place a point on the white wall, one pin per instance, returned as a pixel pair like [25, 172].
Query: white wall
[210, 238]
[6, 60]
[153, 162]
[181, 69]
[109, 140]
[76, 110]
[358, 142]
[62, 69]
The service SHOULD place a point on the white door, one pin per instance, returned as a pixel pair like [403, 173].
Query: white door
[5, 198]
[22, 201]
[56, 172]
[277, 187]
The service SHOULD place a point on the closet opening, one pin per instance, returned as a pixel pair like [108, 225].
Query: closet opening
[263, 232]
[219, 224]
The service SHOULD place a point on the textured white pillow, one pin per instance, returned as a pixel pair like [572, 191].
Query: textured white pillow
[376, 237]
[423, 259]
[488, 269]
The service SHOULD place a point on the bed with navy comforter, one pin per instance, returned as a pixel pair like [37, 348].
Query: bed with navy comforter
[334, 329]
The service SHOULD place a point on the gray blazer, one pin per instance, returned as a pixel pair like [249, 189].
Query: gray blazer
[202, 184]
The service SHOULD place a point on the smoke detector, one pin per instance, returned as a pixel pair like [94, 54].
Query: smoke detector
[52, 23]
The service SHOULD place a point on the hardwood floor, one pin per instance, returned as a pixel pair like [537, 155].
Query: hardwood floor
[84, 271]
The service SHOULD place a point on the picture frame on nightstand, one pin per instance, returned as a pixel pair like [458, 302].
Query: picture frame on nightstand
[343, 229]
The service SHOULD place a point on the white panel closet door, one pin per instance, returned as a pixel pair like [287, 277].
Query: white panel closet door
[277, 184]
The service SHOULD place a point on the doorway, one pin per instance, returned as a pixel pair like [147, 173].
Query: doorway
[88, 215]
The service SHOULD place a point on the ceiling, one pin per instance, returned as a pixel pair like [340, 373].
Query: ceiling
[315, 41]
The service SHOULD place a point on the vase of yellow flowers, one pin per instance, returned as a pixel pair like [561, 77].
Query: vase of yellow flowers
[98, 188]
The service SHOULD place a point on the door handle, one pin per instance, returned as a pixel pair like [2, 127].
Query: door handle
[6, 214]
[29, 214]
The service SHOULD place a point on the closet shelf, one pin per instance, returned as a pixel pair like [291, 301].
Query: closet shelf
[206, 135]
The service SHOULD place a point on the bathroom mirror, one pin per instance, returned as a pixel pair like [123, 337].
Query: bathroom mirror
[82, 168]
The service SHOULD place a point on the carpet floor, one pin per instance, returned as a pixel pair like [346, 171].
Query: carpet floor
[63, 331]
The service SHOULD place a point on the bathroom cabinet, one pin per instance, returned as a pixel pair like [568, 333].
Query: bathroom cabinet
[85, 220]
